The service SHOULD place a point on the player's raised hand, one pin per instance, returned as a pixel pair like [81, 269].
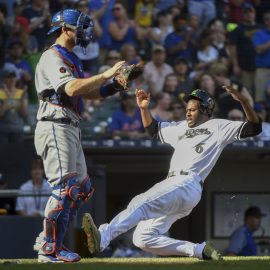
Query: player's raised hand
[142, 98]
[236, 95]
[108, 74]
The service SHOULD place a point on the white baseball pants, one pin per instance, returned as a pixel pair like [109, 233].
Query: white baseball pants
[153, 212]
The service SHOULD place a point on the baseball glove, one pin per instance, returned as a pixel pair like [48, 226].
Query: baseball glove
[127, 74]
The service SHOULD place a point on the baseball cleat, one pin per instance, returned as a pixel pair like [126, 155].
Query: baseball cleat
[210, 253]
[43, 258]
[92, 233]
[67, 256]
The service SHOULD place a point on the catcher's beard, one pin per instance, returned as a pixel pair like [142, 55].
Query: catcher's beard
[71, 42]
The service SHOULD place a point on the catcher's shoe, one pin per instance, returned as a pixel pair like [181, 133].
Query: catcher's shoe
[92, 233]
[67, 256]
[44, 258]
[210, 253]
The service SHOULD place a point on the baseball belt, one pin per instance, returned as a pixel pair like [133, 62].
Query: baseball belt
[182, 172]
[66, 121]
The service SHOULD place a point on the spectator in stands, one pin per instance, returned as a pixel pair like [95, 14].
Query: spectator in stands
[205, 54]
[178, 43]
[161, 29]
[242, 49]
[102, 11]
[162, 5]
[18, 7]
[19, 32]
[129, 54]
[13, 110]
[225, 103]
[194, 26]
[112, 57]
[161, 110]
[236, 115]
[206, 81]
[144, 10]
[205, 10]
[89, 57]
[242, 242]
[156, 70]
[234, 10]
[121, 29]
[259, 108]
[170, 86]
[39, 17]
[38, 189]
[219, 37]
[181, 69]
[140, 83]
[15, 62]
[178, 111]
[261, 42]
[126, 121]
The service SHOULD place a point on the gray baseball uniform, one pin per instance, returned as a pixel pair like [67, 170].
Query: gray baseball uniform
[58, 144]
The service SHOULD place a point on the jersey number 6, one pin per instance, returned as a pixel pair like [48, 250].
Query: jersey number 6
[199, 148]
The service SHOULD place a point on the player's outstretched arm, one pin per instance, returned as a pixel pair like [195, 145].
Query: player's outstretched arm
[249, 112]
[149, 123]
[143, 101]
[253, 126]
[91, 86]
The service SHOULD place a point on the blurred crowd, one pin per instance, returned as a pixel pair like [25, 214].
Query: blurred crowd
[185, 44]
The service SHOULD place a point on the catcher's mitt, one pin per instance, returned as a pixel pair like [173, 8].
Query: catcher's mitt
[127, 74]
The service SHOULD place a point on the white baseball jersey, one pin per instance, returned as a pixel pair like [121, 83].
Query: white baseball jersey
[52, 73]
[197, 149]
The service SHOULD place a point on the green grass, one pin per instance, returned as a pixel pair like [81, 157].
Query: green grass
[239, 263]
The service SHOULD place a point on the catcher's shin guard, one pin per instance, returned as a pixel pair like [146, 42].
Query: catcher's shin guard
[57, 218]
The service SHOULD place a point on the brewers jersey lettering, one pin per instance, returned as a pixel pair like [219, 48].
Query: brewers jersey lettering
[197, 149]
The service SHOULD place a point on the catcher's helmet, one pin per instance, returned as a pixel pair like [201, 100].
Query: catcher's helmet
[76, 20]
[207, 103]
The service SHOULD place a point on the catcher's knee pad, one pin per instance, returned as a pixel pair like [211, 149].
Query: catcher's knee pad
[86, 189]
[85, 193]
[57, 219]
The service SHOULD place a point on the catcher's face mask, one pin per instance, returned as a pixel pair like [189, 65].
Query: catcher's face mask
[84, 30]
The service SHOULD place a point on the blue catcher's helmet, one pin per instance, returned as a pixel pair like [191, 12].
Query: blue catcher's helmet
[76, 20]
[207, 103]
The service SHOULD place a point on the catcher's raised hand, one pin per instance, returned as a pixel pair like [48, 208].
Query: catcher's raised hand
[236, 95]
[142, 98]
[108, 74]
